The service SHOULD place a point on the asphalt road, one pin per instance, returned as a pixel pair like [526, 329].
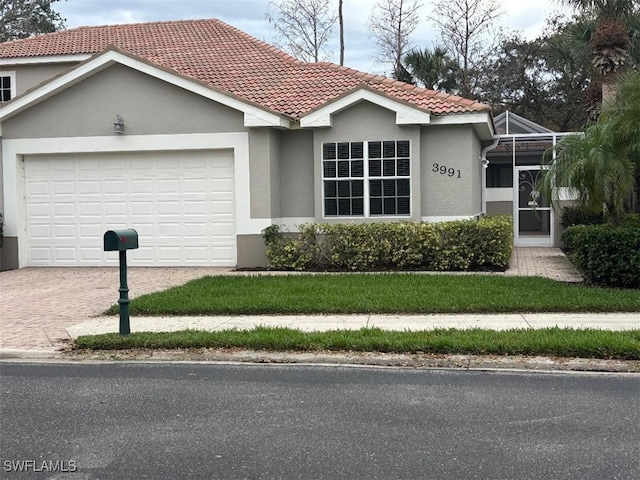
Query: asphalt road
[170, 421]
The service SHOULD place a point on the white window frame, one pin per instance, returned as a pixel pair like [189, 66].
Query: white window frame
[12, 87]
[366, 179]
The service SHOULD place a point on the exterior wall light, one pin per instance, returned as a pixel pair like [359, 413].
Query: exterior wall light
[118, 125]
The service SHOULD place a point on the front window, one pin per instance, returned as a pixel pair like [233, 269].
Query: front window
[366, 179]
[7, 86]
[499, 175]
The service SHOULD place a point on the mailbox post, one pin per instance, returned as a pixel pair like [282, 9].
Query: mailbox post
[121, 241]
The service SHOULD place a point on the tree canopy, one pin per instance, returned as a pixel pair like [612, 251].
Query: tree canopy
[469, 32]
[390, 25]
[304, 27]
[601, 165]
[25, 18]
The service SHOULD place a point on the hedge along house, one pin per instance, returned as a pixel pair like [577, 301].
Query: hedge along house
[200, 136]
[514, 165]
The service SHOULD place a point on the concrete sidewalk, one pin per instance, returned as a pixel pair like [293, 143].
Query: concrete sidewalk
[308, 323]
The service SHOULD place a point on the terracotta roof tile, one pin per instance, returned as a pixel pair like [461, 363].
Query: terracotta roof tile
[226, 58]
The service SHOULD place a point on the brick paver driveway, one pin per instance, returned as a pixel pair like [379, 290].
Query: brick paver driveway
[38, 303]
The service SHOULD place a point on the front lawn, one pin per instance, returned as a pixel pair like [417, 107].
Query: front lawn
[389, 293]
[561, 342]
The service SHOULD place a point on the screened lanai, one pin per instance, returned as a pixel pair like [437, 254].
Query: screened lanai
[513, 169]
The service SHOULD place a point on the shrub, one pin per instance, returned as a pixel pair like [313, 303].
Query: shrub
[606, 254]
[484, 244]
[577, 215]
[631, 220]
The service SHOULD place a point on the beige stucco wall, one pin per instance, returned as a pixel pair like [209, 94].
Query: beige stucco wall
[252, 252]
[263, 172]
[281, 173]
[476, 171]
[499, 208]
[148, 106]
[296, 174]
[29, 76]
[9, 249]
[366, 122]
[456, 147]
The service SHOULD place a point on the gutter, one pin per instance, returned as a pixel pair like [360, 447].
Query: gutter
[485, 163]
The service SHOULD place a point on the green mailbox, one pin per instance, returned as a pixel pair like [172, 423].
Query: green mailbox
[116, 240]
[120, 241]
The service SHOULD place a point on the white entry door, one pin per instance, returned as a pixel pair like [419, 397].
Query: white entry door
[533, 215]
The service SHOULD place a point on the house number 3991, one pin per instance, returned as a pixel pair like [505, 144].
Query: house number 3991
[444, 170]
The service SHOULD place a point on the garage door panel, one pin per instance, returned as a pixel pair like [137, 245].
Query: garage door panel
[90, 230]
[114, 208]
[168, 186]
[89, 187]
[141, 187]
[140, 208]
[39, 210]
[117, 187]
[171, 207]
[91, 254]
[142, 255]
[65, 231]
[41, 254]
[41, 232]
[90, 209]
[64, 209]
[64, 254]
[37, 188]
[193, 253]
[182, 206]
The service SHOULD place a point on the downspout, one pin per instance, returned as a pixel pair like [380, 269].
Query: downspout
[485, 163]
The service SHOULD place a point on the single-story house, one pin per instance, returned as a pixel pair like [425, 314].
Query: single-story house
[199, 136]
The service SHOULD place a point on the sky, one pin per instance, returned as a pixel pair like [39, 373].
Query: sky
[525, 16]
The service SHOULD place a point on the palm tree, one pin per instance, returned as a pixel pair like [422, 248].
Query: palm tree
[434, 69]
[611, 37]
[625, 124]
[601, 166]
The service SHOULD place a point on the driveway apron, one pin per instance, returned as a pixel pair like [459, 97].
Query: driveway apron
[38, 303]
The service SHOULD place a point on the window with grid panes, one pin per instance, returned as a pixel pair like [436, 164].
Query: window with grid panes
[5, 87]
[366, 178]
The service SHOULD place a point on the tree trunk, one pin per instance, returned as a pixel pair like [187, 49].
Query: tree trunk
[341, 20]
[609, 89]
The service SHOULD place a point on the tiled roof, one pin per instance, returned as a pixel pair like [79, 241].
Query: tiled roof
[224, 57]
[508, 146]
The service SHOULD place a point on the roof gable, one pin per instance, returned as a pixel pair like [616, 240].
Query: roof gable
[254, 115]
[226, 59]
[405, 114]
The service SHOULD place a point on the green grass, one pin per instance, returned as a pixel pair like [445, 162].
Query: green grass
[393, 293]
[586, 343]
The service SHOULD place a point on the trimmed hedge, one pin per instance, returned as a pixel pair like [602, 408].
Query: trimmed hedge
[577, 215]
[606, 254]
[466, 245]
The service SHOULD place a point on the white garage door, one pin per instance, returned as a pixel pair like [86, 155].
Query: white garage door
[181, 204]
